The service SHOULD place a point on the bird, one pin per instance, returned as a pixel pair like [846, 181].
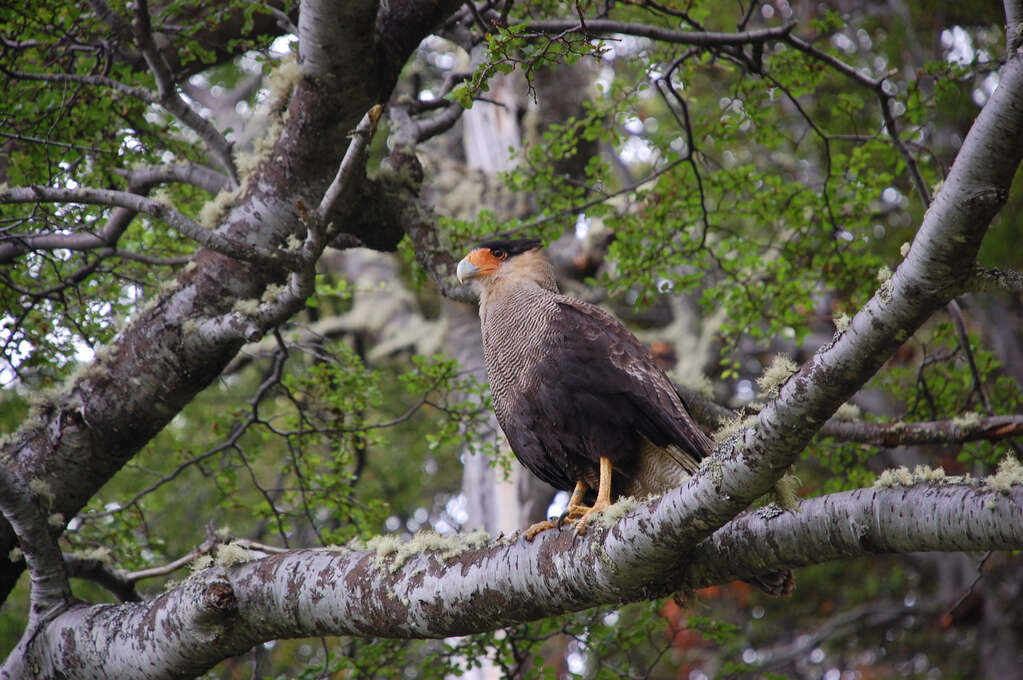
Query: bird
[582, 402]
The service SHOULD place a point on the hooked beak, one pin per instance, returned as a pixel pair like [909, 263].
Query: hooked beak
[466, 270]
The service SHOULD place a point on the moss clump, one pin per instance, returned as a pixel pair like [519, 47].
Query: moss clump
[619, 509]
[921, 474]
[775, 376]
[900, 476]
[229, 554]
[786, 491]
[967, 421]
[43, 490]
[848, 411]
[248, 307]
[1009, 473]
[446, 547]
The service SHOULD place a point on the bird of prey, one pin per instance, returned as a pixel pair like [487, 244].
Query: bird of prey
[581, 401]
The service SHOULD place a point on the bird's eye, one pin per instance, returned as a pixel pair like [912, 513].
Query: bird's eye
[498, 253]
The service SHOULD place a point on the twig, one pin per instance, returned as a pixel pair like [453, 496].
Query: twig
[956, 315]
[969, 590]
[172, 101]
[352, 160]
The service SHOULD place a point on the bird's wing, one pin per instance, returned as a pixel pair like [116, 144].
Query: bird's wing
[596, 369]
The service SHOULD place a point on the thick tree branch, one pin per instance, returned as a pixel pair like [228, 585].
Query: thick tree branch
[175, 347]
[463, 585]
[702, 38]
[993, 428]
[140, 182]
[186, 226]
[939, 261]
[21, 502]
[1013, 26]
[900, 519]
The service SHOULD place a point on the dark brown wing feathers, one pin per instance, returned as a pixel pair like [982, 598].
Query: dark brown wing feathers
[597, 391]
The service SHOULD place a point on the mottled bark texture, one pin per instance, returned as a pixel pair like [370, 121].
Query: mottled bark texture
[465, 588]
[174, 348]
[351, 54]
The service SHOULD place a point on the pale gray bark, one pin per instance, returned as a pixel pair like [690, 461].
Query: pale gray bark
[175, 348]
[464, 588]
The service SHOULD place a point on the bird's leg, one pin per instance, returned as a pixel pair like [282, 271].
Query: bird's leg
[573, 511]
[575, 508]
[603, 495]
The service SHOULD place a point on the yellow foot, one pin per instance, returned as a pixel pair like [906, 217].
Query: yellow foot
[572, 514]
[538, 528]
[599, 506]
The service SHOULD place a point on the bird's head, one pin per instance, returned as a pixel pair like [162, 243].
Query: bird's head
[494, 262]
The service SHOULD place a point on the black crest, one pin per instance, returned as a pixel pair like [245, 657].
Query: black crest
[513, 246]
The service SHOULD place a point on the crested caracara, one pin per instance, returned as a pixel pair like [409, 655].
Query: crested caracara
[582, 402]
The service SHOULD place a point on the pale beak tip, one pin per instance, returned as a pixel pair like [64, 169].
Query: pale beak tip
[466, 270]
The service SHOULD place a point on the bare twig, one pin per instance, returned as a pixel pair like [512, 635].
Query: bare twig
[353, 160]
[172, 101]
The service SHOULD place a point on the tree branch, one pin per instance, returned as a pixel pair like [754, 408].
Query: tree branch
[353, 161]
[464, 585]
[983, 280]
[956, 431]
[900, 519]
[140, 182]
[1013, 26]
[187, 227]
[197, 175]
[172, 101]
[712, 415]
[702, 38]
[21, 502]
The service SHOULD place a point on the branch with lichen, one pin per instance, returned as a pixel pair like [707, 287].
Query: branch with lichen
[394, 588]
[177, 220]
[984, 280]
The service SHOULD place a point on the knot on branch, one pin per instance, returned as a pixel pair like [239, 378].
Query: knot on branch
[216, 601]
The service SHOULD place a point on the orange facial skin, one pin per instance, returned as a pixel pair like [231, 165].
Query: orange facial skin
[485, 261]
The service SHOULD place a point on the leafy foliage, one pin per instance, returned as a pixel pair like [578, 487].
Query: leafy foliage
[768, 187]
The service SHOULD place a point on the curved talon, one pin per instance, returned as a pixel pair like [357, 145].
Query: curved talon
[572, 513]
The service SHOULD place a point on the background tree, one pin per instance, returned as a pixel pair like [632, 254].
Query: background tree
[210, 364]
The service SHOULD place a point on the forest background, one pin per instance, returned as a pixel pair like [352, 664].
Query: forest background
[246, 429]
